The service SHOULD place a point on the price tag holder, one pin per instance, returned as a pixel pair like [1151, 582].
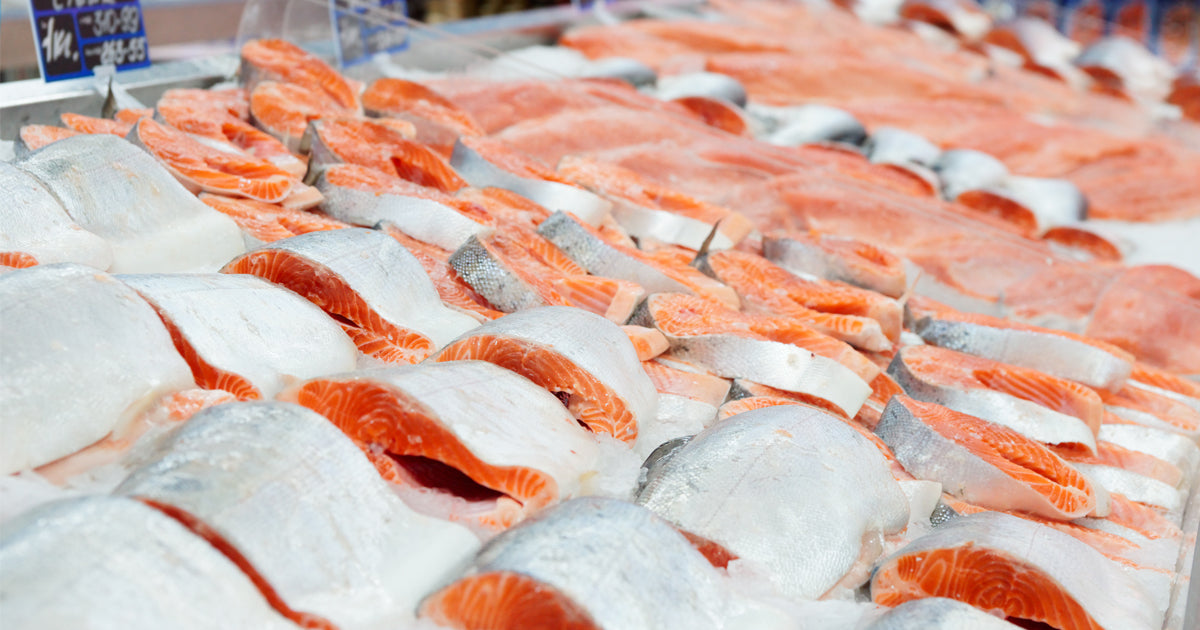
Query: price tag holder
[364, 28]
[75, 37]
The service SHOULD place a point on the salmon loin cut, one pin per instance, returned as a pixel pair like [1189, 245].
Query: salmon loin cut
[984, 463]
[217, 123]
[67, 321]
[269, 222]
[304, 508]
[35, 227]
[439, 122]
[33, 137]
[741, 352]
[694, 383]
[351, 197]
[245, 335]
[160, 228]
[1025, 570]
[782, 471]
[573, 354]
[279, 60]
[505, 455]
[839, 259]
[1057, 353]
[588, 564]
[56, 555]
[369, 283]
[1041, 407]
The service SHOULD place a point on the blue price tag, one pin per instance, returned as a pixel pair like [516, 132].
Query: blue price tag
[364, 28]
[74, 37]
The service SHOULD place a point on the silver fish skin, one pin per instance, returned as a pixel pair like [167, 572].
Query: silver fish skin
[706, 84]
[927, 454]
[1136, 487]
[1053, 202]
[629, 70]
[806, 259]
[1112, 597]
[600, 258]
[809, 124]
[889, 145]
[779, 365]
[622, 565]
[1166, 445]
[961, 170]
[1137, 70]
[481, 173]
[123, 195]
[1027, 418]
[423, 219]
[382, 273]
[938, 613]
[303, 504]
[103, 562]
[248, 327]
[34, 223]
[492, 279]
[1054, 354]
[790, 489]
[517, 424]
[594, 344]
[70, 329]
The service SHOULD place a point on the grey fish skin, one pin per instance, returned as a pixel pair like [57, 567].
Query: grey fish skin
[601, 259]
[1027, 418]
[624, 566]
[927, 454]
[108, 563]
[802, 259]
[628, 70]
[938, 613]
[889, 145]
[68, 332]
[306, 508]
[123, 195]
[707, 84]
[791, 489]
[481, 173]
[1053, 354]
[1053, 201]
[247, 326]
[961, 170]
[810, 124]
[1107, 593]
[34, 223]
[492, 279]
[423, 219]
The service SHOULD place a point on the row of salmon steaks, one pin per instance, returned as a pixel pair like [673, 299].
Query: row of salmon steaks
[502, 354]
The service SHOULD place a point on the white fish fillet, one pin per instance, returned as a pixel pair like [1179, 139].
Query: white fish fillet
[122, 194]
[34, 223]
[306, 508]
[248, 327]
[110, 562]
[83, 355]
[791, 489]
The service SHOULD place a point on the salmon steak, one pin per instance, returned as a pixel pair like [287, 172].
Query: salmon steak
[597, 372]
[353, 275]
[986, 464]
[486, 460]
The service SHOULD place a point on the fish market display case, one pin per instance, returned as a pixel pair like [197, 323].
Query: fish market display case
[474, 45]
